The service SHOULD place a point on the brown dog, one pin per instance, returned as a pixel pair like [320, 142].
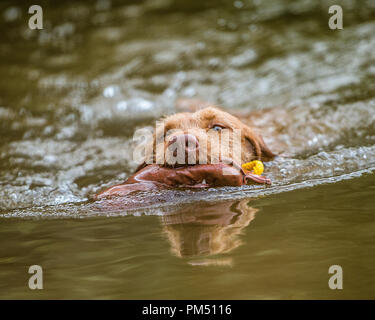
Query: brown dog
[193, 149]
[197, 128]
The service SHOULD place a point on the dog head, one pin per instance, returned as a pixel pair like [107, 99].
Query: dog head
[207, 136]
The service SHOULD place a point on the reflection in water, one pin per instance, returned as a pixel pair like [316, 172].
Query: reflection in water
[283, 254]
[205, 229]
[198, 229]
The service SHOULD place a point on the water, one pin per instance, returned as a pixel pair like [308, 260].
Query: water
[72, 94]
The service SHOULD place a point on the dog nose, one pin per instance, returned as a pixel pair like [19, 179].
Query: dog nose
[188, 140]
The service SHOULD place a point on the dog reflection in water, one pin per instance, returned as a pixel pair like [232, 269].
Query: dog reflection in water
[204, 231]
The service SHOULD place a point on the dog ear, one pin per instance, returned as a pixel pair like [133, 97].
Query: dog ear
[262, 152]
[266, 153]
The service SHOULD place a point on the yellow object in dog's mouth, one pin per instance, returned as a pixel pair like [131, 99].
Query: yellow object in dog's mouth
[255, 167]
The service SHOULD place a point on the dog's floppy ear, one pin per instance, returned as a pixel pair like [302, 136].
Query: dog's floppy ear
[262, 152]
[266, 153]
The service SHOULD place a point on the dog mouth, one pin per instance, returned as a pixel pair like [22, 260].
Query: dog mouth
[226, 172]
[154, 176]
[182, 154]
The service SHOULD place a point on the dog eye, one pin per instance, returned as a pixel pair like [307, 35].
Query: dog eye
[217, 127]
